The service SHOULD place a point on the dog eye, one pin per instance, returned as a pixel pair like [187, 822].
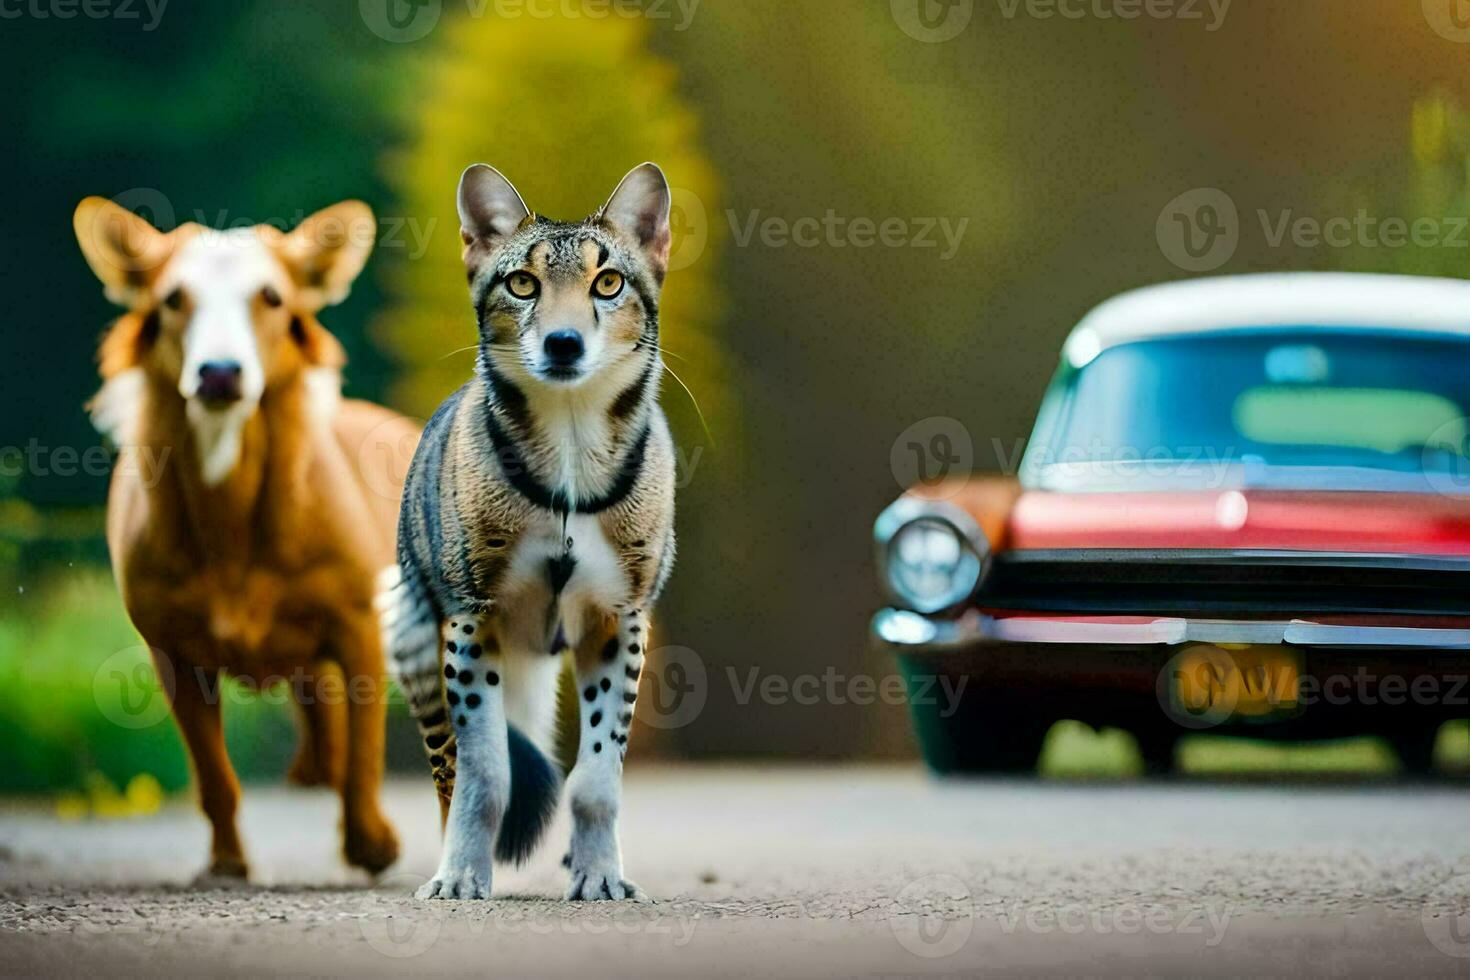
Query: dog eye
[175, 299]
[522, 285]
[270, 297]
[608, 284]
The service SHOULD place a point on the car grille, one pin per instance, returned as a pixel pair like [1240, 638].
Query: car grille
[1182, 582]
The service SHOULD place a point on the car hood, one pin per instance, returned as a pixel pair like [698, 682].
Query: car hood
[1250, 520]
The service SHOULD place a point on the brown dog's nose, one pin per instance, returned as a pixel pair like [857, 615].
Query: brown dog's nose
[219, 381]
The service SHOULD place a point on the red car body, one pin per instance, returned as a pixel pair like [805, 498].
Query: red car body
[1258, 520]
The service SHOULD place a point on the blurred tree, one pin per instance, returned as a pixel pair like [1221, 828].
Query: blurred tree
[1426, 191]
[228, 113]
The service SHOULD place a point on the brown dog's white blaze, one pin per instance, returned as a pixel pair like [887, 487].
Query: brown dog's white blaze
[540, 502]
[220, 366]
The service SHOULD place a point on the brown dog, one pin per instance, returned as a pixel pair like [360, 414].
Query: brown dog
[253, 550]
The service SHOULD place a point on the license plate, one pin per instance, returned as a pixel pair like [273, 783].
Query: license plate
[1236, 683]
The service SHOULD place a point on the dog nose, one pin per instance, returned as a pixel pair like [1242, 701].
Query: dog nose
[219, 381]
[563, 347]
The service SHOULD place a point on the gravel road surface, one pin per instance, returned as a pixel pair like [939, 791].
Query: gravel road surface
[786, 872]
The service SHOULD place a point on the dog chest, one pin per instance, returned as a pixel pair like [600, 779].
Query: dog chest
[575, 561]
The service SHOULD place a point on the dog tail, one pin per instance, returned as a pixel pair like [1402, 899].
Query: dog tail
[410, 626]
[535, 784]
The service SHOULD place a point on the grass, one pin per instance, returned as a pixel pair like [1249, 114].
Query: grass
[80, 700]
[1074, 751]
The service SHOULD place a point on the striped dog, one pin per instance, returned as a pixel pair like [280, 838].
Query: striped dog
[539, 516]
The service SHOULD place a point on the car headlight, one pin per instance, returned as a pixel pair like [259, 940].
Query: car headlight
[932, 555]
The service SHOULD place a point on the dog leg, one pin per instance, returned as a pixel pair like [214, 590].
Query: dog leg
[609, 657]
[473, 695]
[321, 754]
[368, 839]
[196, 705]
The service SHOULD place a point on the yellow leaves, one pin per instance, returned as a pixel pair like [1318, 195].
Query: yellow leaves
[101, 800]
[1429, 130]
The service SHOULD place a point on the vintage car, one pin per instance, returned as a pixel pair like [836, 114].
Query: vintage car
[1244, 509]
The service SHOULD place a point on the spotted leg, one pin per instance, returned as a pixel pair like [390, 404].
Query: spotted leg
[609, 658]
[481, 787]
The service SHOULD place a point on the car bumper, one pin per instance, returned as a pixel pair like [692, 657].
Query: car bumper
[910, 632]
[1349, 678]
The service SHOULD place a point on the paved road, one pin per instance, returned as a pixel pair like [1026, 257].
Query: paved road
[787, 872]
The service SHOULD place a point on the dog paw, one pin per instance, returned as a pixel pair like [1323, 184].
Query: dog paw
[464, 883]
[306, 771]
[224, 871]
[603, 886]
[370, 844]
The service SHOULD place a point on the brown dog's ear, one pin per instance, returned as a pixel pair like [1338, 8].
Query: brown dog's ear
[490, 208]
[317, 344]
[124, 251]
[325, 253]
[639, 210]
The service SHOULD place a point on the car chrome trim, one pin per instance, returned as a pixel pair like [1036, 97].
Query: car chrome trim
[1227, 556]
[906, 629]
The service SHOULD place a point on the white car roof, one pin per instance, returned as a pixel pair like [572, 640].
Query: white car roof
[1334, 300]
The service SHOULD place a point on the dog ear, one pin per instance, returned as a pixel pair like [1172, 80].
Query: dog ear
[325, 253]
[317, 344]
[124, 251]
[490, 208]
[639, 210]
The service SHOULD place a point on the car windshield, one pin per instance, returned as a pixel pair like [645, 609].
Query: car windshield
[1303, 408]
